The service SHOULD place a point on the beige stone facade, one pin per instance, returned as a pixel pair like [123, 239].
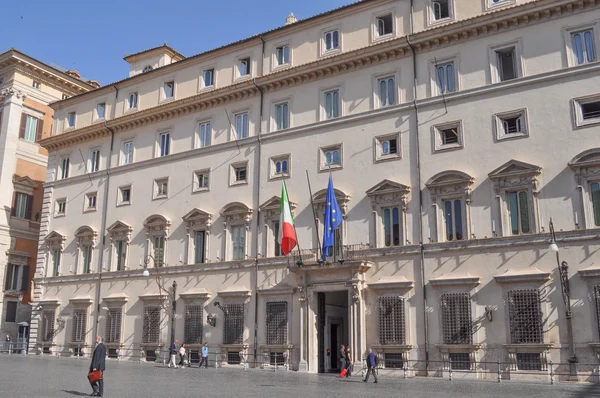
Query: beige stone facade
[454, 132]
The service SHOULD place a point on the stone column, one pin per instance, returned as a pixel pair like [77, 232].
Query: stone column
[303, 364]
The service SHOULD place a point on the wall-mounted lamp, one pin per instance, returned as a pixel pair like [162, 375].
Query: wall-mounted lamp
[488, 313]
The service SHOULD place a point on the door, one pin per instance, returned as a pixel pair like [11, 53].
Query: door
[321, 331]
[335, 348]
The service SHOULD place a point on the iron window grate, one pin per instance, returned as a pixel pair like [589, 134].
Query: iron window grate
[529, 361]
[194, 314]
[525, 315]
[276, 358]
[79, 326]
[277, 322]
[113, 325]
[113, 353]
[150, 355]
[394, 360]
[233, 327]
[48, 317]
[460, 360]
[233, 358]
[391, 320]
[456, 318]
[151, 324]
[11, 311]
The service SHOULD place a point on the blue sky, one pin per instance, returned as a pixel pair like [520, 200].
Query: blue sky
[93, 36]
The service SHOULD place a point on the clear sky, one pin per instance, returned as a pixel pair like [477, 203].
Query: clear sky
[93, 36]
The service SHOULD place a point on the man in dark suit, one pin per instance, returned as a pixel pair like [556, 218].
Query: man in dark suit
[98, 363]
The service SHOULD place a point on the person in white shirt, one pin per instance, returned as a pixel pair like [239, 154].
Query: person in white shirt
[182, 351]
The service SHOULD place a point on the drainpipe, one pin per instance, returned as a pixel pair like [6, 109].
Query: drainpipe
[103, 216]
[257, 189]
[418, 160]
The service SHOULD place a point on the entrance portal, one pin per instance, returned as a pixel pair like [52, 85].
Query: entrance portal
[332, 329]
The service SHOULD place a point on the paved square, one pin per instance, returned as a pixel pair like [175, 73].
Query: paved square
[35, 376]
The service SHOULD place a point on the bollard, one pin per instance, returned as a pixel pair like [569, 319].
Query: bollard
[10, 348]
[404, 371]
[551, 374]
[499, 373]
[78, 350]
[450, 373]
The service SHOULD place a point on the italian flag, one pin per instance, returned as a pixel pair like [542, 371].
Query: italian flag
[287, 233]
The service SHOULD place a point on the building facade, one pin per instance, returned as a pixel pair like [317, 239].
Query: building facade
[27, 86]
[454, 132]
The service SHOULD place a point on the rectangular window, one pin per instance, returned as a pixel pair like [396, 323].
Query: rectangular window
[164, 144]
[334, 251]
[241, 125]
[441, 9]
[161, 188]
[449, 136]
[17, 277]
[47, 325]
[590, 110]
[159, 250]
[240, 174]
[209, 77]
[22, 207]
[518, 212]
[282, 55]
[393, 360]
[233, 325]
[56, 254]
[125, 195]
[36, 84]
[113, 325]
[583, 46]
[276, 245]
[282, 116]
[456, 318]
[201, 181]
[391, 320]
[11, 311]
[238, 243]
[507, 67]
[385, 25]
[31, 128]
[100, 110]
[387, 91]
[332, 40]
[525, 317]
[277, 323]
[128, 152]
[391, 226]
[595, 199]
[332, 104]
[169, 90]
[193, 324]
[121, 254]
[445, 77]
[79, 326]
[199, 237]
[389, 147]
[513, 125]
[64, 168]
[529, 361]
[94, 160]
[280, 167]
[244, 67]
[86, 256]
[71, 120]
[460, 360]
[151, 324]
[132, 101]
[205, 134]
[453, 219]
[61, 207]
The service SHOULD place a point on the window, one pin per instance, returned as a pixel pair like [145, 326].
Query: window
[441, 9]
[61, 207]
[393, 360]
[159, 250]
[590, 110]
[282, 55]
[331, 157]
[31, 128]
[233, 325]
[511, 125]
[79, 326]
[456, 318]
[193, 323]
[124, 195]
[453, 219]
[17, 277]
[583, 46]
[529, 361]
[277, 323]
[239, 173]
[387, 147]
[391, 320]
[100, 110]
[587, 110]
[65, 96]
[36, 84]
[71, 120]
[385, 25]
[201, 180]
[94, 160]
[445, 77]
[205, 134]
[241, 125]
[22, 206]
[595, 199]
[276, 359]
[208, 77]
[282, 116]
[86, 256]
[334, 252]
[56, 254]
[238, 243]
[507, 67]
[525, 316]
[132, 102]
[276, 245]
[127, 152]
[332, 40]
[448, 136]
[387, 91]
[518, 212]
[64, 168]
[280, 166]
[332, 104]
[147, 68]
[113, 325]
[161, 188]
[459, 360]
[199, 237]
[151, 325]
[391, 226]
[47, 325]
[244, 67]
[169, 90]
[164, 144]
[11, 311]
[120, 254]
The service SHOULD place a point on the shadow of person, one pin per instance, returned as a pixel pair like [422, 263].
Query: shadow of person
[81, 394]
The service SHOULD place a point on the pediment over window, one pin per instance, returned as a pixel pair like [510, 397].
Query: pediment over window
[198, 218]
[236, 211]
[24, 184]
[86, 236]
[388, 192]
[342, 199]
[586, 165]
[157, 224]
[515, 173]
[449, 183]
[55, 240]
[271, 207]
[120, 231]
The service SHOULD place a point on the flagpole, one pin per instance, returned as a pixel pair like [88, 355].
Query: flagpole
[341, 248]
[312, 203]
[294, 224]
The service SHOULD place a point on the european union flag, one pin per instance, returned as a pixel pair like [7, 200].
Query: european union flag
[332, 219]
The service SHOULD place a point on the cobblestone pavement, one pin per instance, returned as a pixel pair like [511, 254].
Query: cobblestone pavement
[35, 376]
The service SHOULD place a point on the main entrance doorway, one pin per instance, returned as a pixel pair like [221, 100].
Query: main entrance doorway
[332, 329]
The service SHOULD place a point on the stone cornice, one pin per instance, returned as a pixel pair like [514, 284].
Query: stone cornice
[495, 22]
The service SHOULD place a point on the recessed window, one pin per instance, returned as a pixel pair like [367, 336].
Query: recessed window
[204, 134]
[61, 207]
[448, 136]
[94, 160]
[209, 77]
[584, 49]
[100, 110]
[164, 144]
[147, 68]
[391, 226]
[282, 116]
[385, 25]
[36, 84]
[387, 147]
[65, 164]
[65, 96]
[441, 9]
[132, 101]
[453, 221]
[244, 67]
[120, 254]
[201, 180]
[127, 152]
[507, 66]
[282, 55]
[238, 243]
[518, 212]
[387, 91]
[241, 125]
[30, 128]
[587, 111]
[445, 77]
[595, 199]
[124, 197]
[240, 174]
[11, 314]
[280, 166]
[332, 40]
[161, 188]
[71, 120]
[22, 205]
[590, 110]
[90, 201]
[331, 104]
[331, 157]
[511, 125]
[199, 240]
[169, 90]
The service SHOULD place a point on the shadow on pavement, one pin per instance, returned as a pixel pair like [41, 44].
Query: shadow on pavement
[589, 391]
[81, 394]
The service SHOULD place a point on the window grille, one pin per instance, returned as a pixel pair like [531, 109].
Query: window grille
[113, 353]
[48, 317]
[150, 355]
[460, 360]
[233, 327]
[529, 361]
[151, 324]
[276, 358]
[277, 322]
[11, 311]
[113, 325]
[79, 326]
[393, 360]
[456, 318]
[194, 314]
[391, 320]
[525, 315]
[233, 358]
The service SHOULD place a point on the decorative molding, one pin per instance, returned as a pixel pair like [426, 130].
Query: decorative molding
[49, 302]
[449, 183]
[86, 236]
[586, 165]
[458, 280]
[55, 240]
[116, 300]
[81, 301]
[11, 91]
[524, 275]
[320, 196]
[514, 174]
[392, 282]
[589, 272]
[197, 218]
[157, 225]
[152, 297]
[17, 257]
[237, 212]
[388, 193]
[196, 295]
[281, 290]
[271, 208]
[119, 231]
[235, 292]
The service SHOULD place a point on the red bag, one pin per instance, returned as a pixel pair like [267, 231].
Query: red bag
[343, 374]
[95, 376]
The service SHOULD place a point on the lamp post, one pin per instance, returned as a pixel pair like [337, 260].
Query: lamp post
[563, 273]
[173, 309]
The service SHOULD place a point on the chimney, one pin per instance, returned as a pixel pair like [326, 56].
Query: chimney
[291, 19]
[94, 83]
[73, 73]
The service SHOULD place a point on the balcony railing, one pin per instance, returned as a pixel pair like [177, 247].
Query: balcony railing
[337, 254]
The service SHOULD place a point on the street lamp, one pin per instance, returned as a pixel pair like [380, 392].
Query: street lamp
[563, 273]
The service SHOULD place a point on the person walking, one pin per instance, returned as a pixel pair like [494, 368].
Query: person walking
[182, 351]
[204, 359]
[371, 366]
[98, 363]
[173, 354]
[342, 357]
[7, 343]
[349, 362]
